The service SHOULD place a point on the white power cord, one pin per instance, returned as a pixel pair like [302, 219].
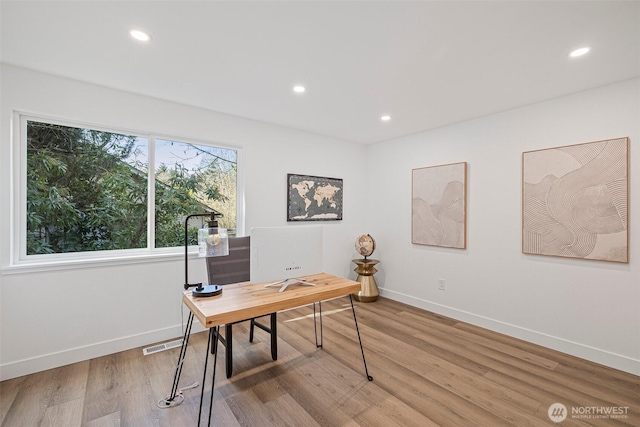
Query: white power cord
[166, 403]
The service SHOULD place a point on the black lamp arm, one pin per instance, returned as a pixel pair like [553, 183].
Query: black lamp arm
[213, 222]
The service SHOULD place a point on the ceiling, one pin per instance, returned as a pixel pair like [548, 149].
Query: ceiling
[426, 64]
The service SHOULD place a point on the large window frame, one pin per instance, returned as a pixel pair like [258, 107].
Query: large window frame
[56, 261]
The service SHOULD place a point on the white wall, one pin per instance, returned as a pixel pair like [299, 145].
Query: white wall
[586, 308]
[52, 317]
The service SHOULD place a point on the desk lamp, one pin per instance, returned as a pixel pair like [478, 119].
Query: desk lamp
[212, 241]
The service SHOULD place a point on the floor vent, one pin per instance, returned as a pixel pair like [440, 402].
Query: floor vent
[161, 347]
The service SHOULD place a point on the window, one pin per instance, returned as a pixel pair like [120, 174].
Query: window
[192, 179]
[88, 190]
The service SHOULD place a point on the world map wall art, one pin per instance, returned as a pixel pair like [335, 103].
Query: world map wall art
[313, 198]
[575, 201]
[438, 208]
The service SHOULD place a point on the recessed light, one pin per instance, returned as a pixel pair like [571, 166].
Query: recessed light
[579, 52]
[140, 35]
[299, 89]
[385, 118]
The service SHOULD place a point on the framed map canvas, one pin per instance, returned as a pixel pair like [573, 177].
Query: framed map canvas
[438, 207]
[313, 198]
[575, 201]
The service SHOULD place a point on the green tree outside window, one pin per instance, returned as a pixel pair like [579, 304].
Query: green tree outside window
[87, 190]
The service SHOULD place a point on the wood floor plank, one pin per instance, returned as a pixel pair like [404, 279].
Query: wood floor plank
[428, 370]
[248, 411]
[110, 420]
[320, 408]
[28, 407]
[392, 412]
[287, 412]
[49, 388]
[8, 391]
[103, 391]
[68, 414]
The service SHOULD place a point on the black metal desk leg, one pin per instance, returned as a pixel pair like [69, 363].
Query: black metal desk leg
[204, 374]
[213, 376]
[274, 336]
[212, 347]
[183, 353]
[315, 330]
[228, 349]
[366, 371]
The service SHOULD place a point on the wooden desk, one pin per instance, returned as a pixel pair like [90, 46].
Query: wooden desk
[243, 301]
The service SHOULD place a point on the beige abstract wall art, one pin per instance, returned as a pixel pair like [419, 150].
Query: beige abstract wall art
[575, 201]
[438, 209]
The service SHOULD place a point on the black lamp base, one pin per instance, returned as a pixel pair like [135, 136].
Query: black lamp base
[207, 291]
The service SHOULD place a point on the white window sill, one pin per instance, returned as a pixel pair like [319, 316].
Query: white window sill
[24, 267]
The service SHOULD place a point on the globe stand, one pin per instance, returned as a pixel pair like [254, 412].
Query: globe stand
[368, 287]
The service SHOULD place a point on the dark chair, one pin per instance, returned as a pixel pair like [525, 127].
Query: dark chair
[235, 268]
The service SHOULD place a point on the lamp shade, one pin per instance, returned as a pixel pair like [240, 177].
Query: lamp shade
[213, 241]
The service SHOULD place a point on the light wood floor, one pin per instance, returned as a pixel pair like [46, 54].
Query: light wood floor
[428, 370]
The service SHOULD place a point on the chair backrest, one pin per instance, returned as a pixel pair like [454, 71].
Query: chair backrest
[234, 267]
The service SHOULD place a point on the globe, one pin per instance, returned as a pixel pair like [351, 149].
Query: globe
[365, 245]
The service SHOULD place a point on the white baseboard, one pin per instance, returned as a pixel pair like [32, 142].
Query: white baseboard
[78, 354]
[616, 361]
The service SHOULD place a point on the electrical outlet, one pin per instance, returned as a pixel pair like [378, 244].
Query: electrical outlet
[441, 284]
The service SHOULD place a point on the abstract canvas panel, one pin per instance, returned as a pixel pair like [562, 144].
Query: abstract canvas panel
[575, 201]
[439, 208]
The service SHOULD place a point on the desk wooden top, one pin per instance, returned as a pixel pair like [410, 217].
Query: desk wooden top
[241, 301]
